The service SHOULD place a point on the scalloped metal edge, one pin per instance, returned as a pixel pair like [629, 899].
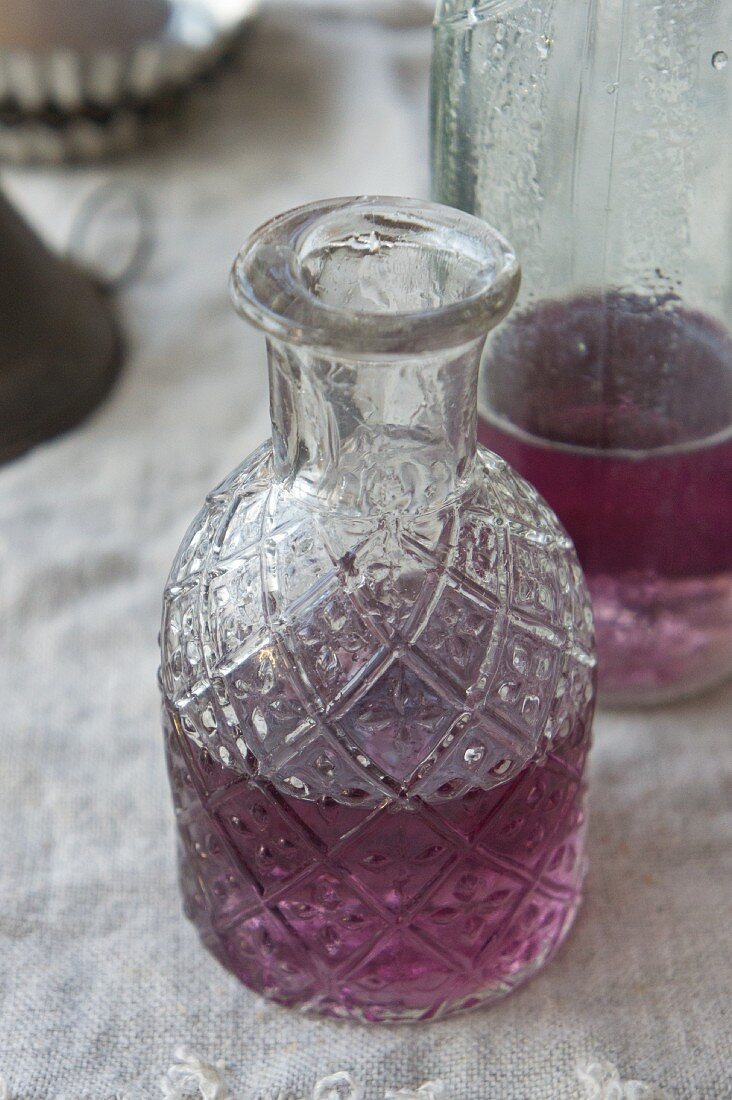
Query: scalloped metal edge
[71, 84]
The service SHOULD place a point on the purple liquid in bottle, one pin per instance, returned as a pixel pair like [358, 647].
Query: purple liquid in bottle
[374, 914]
[619, 411]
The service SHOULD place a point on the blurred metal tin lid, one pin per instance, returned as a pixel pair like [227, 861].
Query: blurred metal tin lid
[78, 78]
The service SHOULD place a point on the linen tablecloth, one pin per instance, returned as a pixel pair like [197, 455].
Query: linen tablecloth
[101, 977]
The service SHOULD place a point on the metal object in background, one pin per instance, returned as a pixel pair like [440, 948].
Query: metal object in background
[60, 348]
[85, 78]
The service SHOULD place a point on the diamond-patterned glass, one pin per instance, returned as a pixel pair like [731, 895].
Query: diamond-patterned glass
[377, 662]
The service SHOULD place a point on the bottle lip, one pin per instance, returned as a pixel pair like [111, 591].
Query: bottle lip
[280, 282]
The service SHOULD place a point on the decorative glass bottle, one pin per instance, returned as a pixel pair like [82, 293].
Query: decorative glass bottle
[377, 648]
[598, 135]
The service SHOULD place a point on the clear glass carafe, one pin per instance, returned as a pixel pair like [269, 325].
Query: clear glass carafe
[597, 133]
[377, 650]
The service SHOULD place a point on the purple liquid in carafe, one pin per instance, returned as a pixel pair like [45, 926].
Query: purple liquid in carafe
[619, 410]
[379, 914]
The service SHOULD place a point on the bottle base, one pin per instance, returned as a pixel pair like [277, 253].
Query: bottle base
[661, 640]
[630, 698]
[384, 914]
[400, 1006]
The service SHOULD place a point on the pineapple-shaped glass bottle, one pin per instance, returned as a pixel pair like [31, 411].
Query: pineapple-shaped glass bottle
[377, 648]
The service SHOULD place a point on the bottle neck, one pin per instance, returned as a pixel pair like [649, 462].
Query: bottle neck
[373, 436]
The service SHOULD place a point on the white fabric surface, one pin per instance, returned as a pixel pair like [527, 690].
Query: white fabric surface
[101, 978]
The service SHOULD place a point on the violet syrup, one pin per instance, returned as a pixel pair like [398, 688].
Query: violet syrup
[619, 412]
[380, 914]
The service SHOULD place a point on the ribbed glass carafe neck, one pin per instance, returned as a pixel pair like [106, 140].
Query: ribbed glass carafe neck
[370, 436]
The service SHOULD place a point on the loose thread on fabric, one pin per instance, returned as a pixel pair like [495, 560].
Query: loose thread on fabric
[601, 1081]
[189, 1071]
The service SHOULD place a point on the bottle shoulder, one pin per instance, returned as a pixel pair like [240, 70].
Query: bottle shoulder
[378, 641]
[248, 485]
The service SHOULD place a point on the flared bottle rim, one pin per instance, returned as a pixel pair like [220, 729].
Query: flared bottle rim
[373, 276]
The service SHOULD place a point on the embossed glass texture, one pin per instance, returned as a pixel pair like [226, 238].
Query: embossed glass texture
[597, 134]
[377, 645]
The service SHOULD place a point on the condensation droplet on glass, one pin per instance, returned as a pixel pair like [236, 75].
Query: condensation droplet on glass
[500, 31]
[498, 51]
[543, 47]
[612, 88]
[719, 60]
